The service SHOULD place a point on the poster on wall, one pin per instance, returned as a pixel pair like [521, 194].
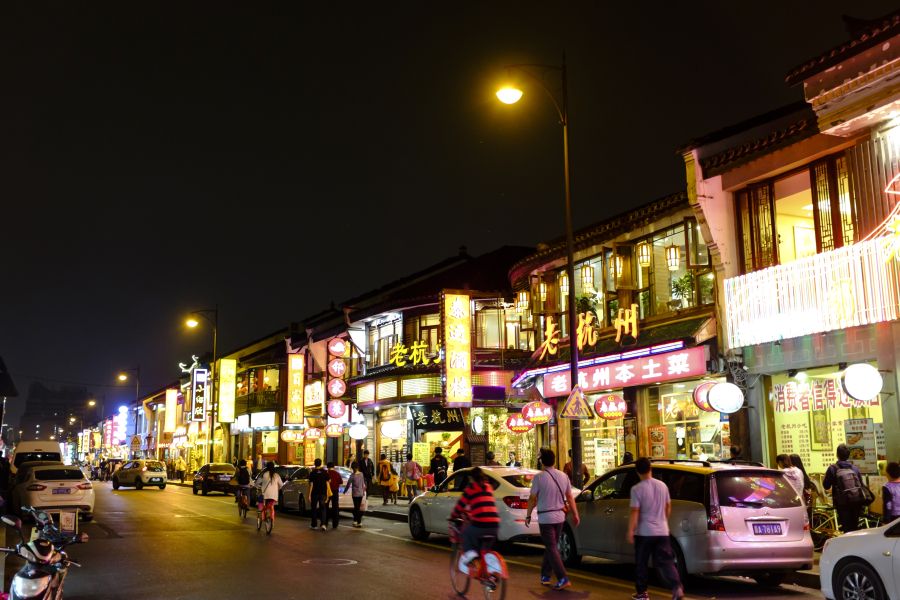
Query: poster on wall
[880, 446]
[658, 442]
[605, 455]
[860, 438]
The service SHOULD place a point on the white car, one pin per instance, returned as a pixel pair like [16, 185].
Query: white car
[295, 492]
[140, 473]
[863, 565]
[52, 486]
[512, 486]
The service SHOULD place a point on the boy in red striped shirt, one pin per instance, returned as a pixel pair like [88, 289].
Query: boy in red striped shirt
[483, 517]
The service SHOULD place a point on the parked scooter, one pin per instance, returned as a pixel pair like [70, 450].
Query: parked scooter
[46, 565]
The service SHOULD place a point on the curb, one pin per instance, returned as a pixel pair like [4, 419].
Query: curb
[806, 579]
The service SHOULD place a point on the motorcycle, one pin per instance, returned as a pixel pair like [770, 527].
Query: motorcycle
[47, 563]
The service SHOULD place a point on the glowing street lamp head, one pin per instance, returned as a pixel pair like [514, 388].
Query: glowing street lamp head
[192, 323]
[72, 420]
[509, 95]
[92, 403]
[123, 376]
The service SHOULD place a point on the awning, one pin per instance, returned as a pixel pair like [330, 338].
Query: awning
[476, 439]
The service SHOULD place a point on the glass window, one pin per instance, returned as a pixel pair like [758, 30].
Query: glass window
[242, 381]
[749, 490]
[155, 466]
[608, 487]
[58, 475]
[23, 457]
[794, 223]
[488, 328]
[605, 441]
[522, 481]
[678, 429]
[685, 486]
[270, 380]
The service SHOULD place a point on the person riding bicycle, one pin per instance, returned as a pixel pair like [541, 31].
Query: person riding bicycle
[243, 481]
[269, 483]
[477, 503]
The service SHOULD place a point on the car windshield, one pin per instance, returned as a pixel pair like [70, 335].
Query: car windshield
[23, 457]
[155, 466]
[58, 474]
[221, 469]
[751, 490]
[522, 481]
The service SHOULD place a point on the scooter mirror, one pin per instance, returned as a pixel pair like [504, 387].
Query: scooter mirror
[81, 538]
[11, 521]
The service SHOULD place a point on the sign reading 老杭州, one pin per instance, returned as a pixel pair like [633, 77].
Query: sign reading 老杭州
[457, 364]
[295, 401]
[198, 394]
[433, 417]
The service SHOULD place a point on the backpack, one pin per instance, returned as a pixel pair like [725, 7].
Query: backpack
[243, 477]
[384, 473]
[848, 488]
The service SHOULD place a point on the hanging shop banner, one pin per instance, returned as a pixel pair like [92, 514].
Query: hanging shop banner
[337, 388]
[457, 334]
[610, 407]
[337, 347]
[518, 424]
[336, 409]
[689, 362]
[860, 438]
[334, 430]
[95, 440]
[108, 433]
[658, 442]
[313, 433]
[434, 418]
[292, 435]
[227, 389]
[198, 394]
[296, 373]
[121, 423]
[336, 367]
[814, 394]
[171, 410]
[701, 396]
[537, 413]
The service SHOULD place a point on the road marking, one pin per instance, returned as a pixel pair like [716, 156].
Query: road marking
[569, 572]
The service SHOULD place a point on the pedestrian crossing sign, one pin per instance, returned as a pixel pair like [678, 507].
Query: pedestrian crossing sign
[576, 406]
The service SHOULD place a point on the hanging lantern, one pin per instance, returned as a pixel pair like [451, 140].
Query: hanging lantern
[673, 257]
[615, 267]
[644, 254]
[587, 277]
[564, 283]
[524, 300]
[542, 289]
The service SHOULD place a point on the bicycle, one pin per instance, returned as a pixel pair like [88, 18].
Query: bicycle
[825, 526]
[243, 502]
[269, 519]
[488, 567]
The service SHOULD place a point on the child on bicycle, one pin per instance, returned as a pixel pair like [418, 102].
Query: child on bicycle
[243, 482]
[477, 503]
[269, 483]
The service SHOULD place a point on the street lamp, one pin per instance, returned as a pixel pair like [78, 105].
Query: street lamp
[509, 96]
[192, 322]
[137, 393]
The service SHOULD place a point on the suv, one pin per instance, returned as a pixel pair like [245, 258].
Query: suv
[729, 518]
[140, 473]
[35, 451]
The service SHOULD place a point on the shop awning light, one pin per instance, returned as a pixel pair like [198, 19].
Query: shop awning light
[587, 277]
[644, 254]
[564, 283]
[673, 257]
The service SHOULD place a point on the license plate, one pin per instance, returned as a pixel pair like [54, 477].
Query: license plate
[224, 477]
[62, 491]
[155, 479]
[341, 490]
[767, 529]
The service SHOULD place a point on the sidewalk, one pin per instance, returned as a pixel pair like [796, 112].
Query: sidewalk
[391, 512]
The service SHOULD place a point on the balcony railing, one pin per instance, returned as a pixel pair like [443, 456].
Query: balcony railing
[269, 400]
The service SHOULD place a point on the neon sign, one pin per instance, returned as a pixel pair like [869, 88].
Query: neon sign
[198, 394]
[296, 373]
[457, 365]
[227, 389]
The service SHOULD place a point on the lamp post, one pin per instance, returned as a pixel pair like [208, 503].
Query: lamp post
[510, 96]
[210, 438]
[137, 395]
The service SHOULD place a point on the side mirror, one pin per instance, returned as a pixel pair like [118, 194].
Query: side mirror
[80, 538]
[12, 521]
[585, 496]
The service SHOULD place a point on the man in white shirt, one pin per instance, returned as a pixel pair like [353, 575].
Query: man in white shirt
[551, 491]
[648, 530]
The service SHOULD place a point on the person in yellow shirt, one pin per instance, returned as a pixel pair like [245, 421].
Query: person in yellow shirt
[384, 478]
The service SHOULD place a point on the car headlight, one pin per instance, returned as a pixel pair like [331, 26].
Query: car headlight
[25, 587]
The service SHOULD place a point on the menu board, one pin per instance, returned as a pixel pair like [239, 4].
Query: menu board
[605, 455]
[860, 437]
[421, 454]
[880, 446]
[658, 442]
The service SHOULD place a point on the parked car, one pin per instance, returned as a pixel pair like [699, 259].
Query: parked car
[139, 473]
[214, 477]
[284, 471]
[430, 510]
[726, 519]
[51, 485]
[862, 565]
[35, 451]
[295, 492]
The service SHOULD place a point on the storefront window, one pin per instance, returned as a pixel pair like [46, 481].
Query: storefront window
[605, 441]
[383, 334]
[242, 381]
[489, 328]
[813, 415]
[269, 442]
[269, 379]
[678, 429]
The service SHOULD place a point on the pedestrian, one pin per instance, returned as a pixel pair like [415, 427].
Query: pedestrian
[512, 461]
[461, 461]
[845, 481]
[490, 460]
[890, 493]
[394, 485]
[319, 490]
[791, 473]
[627, 458]
[181, 467]
[538, 464]
[350, 460]
[335, 480]
[356, 485]
[569, 470]
[810, 492]
[438, 466]
[367, 468]
[384, 478]
[735, 453]
[412, 471]
[552, 494]
[259, 465]
[269, 485]
[477, 503]
[648, 530]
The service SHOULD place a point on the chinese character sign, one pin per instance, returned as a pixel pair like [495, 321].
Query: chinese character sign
[199, 381]
[171, 407]
[814, 394]
[517, 424]
[227, 381]
[537, 413]
[627, 322]
[457, 351]
[296, 374]
[108, 433]
[610, 406]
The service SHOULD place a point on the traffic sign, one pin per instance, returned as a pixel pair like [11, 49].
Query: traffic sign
[135, 443]
[576, 406]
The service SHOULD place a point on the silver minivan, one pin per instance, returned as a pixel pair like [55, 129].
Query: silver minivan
[727, 519]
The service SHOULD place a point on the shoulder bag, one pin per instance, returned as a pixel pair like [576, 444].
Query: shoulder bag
[565, 501]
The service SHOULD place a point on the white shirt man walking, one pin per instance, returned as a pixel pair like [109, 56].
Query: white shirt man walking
[648, 530]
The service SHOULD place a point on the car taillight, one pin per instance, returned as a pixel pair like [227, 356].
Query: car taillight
[36, 488]
[715, 522]
[144, 469]
[805, 523]
[515, 502]
[85, 486]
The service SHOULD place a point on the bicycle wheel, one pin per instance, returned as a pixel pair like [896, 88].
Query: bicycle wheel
[258, 521]
[459, 579]
[494, 587]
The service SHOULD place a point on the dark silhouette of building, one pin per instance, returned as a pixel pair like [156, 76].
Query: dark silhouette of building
[48, 412]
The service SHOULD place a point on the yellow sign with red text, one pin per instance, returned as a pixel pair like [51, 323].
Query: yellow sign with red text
[457, 351]
[296, 374]
[171, 408]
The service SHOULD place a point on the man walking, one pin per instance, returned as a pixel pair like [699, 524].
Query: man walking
[367, 468]
[335, 480]
[648, 530]
[570, 471]
[551, 493]
[259, 465]
[438, 466]
[180, 468]
[461, 461]
[318, 494]
[845, 483]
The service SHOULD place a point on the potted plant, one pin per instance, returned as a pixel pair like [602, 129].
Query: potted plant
[682, 289]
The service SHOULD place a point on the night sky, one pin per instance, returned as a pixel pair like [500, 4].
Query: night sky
[157, 158]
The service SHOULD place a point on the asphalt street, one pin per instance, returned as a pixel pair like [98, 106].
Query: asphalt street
[171, 544]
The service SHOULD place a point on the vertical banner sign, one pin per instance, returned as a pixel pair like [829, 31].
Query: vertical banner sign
[296, 373]
[457, 334]
[198, 394]
[171, 408]
[227, 380]
[108, 433]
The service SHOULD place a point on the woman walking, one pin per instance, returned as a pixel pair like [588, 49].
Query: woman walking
[356, 485]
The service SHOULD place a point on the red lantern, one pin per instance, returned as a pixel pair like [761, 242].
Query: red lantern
[537, 413]
[337, 388]
[610, 406]
[517, 424]
[337, 347]
[337, 368]
[701, 396]
[313, 433]
[336, 409]
[334, 430]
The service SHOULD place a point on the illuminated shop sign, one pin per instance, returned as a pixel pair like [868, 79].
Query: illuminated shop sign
[295, 404]
[456, 366]
[537, 413]
[610, 407]
[334, 430]
[336, 409]
[851, 286]
[227, 389]
[198, 394]
[108, 433]
[337, 347]
[814, 394]
[415, 354]
[517, 424]
[171, 407]
[292, 435]
[337, 368]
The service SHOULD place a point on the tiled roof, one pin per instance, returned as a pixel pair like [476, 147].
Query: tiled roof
[731, 158]
[746, 125]
[864, 35]
[462, 256]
